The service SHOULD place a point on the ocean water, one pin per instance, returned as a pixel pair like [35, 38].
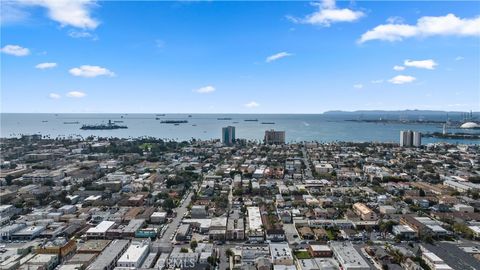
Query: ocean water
[298, 127]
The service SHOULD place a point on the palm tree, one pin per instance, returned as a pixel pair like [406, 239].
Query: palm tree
[229, 253]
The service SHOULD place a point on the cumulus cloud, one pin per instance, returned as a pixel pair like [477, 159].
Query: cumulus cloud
[75, 13]
[328, 14]
[402, 79]
[15, 50]
[205, 90]
[46, 65]
[277, 56]
[377, 81]
[448, 25]
[252, 104]
[54, 96]
[76, 94]
[358, 86]
[398, 68]
[459, 58]
[90, 71]
[426, 64]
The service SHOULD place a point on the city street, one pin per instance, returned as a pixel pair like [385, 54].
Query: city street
[172, 227]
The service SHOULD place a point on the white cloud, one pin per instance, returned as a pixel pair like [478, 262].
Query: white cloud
[459, 58]
[252, 104]
[11, 13]
[426, 64]
[448, 25]
[46, 65]
[395, 20]
[457, 105]
[377, 81]
[90, 71]
[75, 13]
[398, 68]
[54, 96]
[328, 13]
[358, 86]
[82, 34]
[277, 56]
[76, 94]
[15, 50]
[402, 79]
[205, 90]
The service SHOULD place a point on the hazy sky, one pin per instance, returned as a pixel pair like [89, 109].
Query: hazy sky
[239, 57]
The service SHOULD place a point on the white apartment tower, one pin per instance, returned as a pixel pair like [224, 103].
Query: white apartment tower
[410, 138]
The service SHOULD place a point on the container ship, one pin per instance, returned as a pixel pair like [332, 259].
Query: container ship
[108, 126]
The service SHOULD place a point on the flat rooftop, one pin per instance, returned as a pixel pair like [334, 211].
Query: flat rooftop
[102, 227]
[348, 256]
[93, 246]
[134, 252]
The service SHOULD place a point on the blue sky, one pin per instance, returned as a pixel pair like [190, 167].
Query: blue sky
[239, 57]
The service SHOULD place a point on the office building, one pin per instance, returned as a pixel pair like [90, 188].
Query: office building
[274, 137]
[228, 135]
[410, 138]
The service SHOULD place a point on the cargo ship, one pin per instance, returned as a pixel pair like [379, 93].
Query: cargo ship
[251, 120]
[71, 123]
[108, 126]
[224, 118]
[268, 123]
[174, 121]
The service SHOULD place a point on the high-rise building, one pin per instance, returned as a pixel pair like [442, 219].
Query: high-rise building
[406, 138]
[228, 135]
[410, 138]
[417, 139]
[274, 137]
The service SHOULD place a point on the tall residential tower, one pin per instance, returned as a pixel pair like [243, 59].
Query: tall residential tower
[228, 135]
[410, 138]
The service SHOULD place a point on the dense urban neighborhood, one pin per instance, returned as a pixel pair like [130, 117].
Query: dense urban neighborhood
[107, 203]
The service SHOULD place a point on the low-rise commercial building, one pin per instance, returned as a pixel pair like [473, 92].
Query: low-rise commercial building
[108, 258]
[134, 255]
[348, 256]
[100, 231]
[281, 254]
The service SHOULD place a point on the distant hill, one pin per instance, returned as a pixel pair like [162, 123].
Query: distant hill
[405, 114]
[399, 112]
